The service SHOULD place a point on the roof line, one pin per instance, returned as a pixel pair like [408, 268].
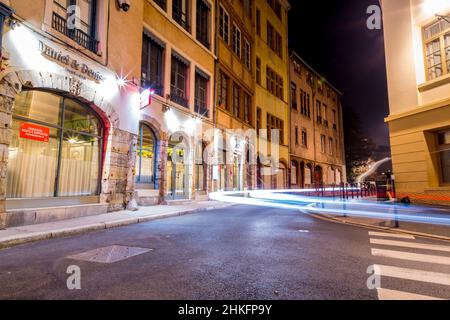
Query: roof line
[293, 53]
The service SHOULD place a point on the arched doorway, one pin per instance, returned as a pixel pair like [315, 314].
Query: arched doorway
[281, 176]
[146, 157]
[56, 147]
[318, 175]
[177, 168]
[294, 173]
[308, 175]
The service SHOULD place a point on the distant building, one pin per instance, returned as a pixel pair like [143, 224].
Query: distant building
[417, 42]
[316, 128]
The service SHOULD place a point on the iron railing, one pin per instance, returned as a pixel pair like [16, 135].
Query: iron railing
[86, 41]
[178, 96]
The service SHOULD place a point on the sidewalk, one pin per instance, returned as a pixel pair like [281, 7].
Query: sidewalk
[23, 234]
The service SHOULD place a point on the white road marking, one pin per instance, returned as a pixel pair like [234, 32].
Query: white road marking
[411, 256]
[391, 235]
[410, 245]
[412, 274]
[386, 294]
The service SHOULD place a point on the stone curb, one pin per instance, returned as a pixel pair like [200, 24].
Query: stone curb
[45, 235]
[369, 226]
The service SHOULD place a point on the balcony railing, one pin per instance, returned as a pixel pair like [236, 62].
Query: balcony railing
[201, 109]
[178, 96]
[83, 39]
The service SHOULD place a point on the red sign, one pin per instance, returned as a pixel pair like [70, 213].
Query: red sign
[34, 132]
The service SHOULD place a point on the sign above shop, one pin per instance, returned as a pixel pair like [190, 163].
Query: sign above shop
[72, 65]
[32, 131]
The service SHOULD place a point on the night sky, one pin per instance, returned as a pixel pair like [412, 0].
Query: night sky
[333, 38]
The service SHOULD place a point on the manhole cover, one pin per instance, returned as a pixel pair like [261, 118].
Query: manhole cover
[109, 254]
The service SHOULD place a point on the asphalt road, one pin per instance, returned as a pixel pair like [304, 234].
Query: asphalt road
[240, 252]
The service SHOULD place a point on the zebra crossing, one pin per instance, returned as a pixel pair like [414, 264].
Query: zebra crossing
[409, 263]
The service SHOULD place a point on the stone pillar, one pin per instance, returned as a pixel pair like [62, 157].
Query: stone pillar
[9, 87]
[118, 178]
[161, 167]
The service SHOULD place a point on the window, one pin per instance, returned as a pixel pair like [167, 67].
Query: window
[247, 108]
[276, 7]
[162, 4]
[178, 81]
[236, 100]
[223, 84]
[308, 105]
[274, 83]
[258, 70]
[201, 91]
[444, 155]
[322, 143]
[294, 96]
[437, 48]
[247, 7]
[247, 54]
[152, 64]
[180, 13]
[85, 30]
[224, 25]
[304, 138]
[334, 120]
[203, 22]
[324, 116]
[296, 136]
[318, 112]
[274, 123]
[258, 22]
[236, 40]
[297, 68]
[145, 157]
[258, 120]
[64, 159]
[274, 40]
[330, 146]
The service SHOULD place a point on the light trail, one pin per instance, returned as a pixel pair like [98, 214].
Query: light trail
[297, 200]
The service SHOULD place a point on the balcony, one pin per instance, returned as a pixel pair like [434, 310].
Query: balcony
[325, 123]
[319, 120]
[201, 109]
[178, 96]
[83, 39]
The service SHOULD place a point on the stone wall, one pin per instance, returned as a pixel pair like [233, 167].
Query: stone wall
[118, 173]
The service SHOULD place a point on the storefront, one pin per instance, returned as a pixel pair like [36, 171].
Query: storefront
[56, 149]
[69, 132]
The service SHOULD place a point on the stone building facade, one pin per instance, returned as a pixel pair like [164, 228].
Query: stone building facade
[417, 48]
[316, 131]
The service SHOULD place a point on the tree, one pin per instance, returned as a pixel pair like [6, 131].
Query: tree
[359, 147]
